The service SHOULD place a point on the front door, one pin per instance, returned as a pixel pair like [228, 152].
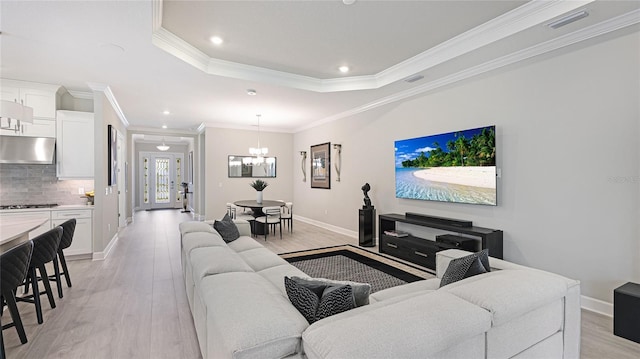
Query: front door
[161, 175]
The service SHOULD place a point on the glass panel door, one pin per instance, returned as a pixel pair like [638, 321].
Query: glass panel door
[159, 186]
[163, 181]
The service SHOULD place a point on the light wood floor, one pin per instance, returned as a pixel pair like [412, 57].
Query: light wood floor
[133, 305]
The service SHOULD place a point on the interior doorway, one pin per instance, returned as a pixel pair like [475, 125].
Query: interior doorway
[160, 176]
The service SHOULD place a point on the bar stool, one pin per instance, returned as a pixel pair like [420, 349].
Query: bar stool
[45, 248]
[68, 229]
[13, 270]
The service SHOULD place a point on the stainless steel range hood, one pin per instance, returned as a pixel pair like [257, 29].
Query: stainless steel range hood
[27, 150]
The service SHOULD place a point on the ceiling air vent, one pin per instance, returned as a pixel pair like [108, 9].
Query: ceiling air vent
[414, 78]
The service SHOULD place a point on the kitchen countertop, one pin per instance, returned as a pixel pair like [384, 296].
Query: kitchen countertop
[63, 207]
[16, 231]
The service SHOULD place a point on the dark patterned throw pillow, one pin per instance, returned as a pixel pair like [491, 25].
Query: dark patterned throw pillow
[361, 291]
[227, 229]
[465, 267]
[315, 302]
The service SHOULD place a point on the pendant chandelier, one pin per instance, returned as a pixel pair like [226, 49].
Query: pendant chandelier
[258, 152]
[14, 111]
[163, 147]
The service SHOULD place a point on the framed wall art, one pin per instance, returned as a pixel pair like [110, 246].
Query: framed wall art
[113, 156]
[321, 166]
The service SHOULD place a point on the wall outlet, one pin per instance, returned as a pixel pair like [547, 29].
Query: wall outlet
[109, 227]
[80, 190]
[106, 191]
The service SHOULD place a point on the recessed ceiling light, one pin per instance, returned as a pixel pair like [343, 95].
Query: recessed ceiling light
[252, 92]
[216, 40]
[164, 126]
[344, 69]
[348, 2]
[166, 112]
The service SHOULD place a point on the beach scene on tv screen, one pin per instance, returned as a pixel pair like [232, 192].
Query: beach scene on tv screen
[450, 167]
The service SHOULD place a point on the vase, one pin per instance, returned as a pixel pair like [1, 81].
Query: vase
[259, 197]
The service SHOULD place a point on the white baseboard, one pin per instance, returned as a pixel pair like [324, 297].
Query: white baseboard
[597, 306]
[340, 230]
[100, 256]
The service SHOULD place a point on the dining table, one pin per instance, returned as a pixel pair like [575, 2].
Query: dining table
[256, 209]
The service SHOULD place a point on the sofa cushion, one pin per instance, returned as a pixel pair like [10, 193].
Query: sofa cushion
[248, 317]
[276, 275]
[213, 260]
[507, 294]
[261, 258]
[316, 301]
[361, 291]
[465, 267]
[192, 226]
[436, 321]
[227, 229]
[201, 239]
[421, 286]
[244, 243]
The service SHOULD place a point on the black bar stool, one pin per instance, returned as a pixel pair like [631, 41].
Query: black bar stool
[68, 229]
[13, 270]
[45, 248]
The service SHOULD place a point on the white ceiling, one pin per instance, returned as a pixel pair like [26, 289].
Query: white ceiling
[156, 56]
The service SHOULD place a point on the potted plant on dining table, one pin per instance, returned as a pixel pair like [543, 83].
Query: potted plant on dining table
[259, 186]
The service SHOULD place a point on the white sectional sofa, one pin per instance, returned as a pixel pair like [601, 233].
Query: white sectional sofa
[241, 310]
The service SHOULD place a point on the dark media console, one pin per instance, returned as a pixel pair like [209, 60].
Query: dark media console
[423, 251]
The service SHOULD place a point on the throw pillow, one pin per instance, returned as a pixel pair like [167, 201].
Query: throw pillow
[315, 304]
[227, 229]
[465, 267]
[361, 291]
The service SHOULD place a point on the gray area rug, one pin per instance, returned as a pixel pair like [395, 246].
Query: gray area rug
[346, 265]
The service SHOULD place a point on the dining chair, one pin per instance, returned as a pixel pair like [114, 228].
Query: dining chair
[231, 210]
[45, 250]
[14, 265]
[287, 215]
[68, 229]
[271, 218]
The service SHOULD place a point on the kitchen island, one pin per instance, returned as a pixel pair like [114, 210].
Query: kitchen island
[17, 231]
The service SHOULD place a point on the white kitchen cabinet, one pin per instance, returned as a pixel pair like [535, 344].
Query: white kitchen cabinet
[83, 235]
[41, 97]
[74, 145]
[8, 217]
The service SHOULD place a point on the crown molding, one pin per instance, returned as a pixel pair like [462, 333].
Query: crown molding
[528, 15]
[234, 126]
[81, 94]
[112, 100]
[617, 23]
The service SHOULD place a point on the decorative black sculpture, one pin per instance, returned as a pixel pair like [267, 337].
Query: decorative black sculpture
[367, 201]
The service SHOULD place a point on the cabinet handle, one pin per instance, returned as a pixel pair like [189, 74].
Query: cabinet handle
[392, 245]
[421, 254]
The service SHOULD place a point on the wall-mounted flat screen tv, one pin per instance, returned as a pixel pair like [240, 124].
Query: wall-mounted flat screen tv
[455, 167]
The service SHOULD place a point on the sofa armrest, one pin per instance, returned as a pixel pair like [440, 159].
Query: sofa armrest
[243, 227]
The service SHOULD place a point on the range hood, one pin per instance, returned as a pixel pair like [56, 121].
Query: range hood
[27, 150]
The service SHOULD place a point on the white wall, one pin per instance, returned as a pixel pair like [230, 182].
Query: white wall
[567, 135]
[105, 217]
[220, 189]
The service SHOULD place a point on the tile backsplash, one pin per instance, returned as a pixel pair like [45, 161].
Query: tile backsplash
[37, 184]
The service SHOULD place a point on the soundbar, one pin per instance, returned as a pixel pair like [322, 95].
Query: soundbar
[439, 220]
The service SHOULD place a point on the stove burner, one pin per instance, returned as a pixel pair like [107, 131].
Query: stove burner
[26, 206]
